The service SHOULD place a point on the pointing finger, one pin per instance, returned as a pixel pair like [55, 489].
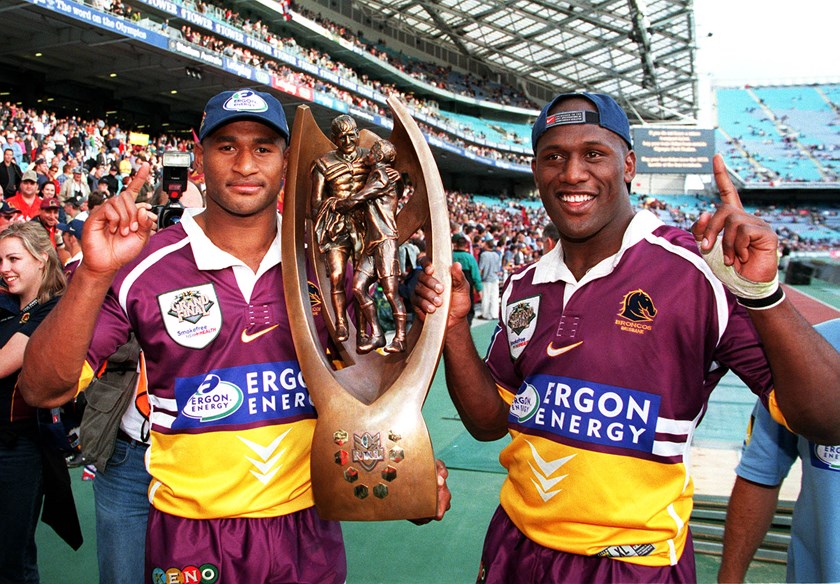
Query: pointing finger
[728, 192]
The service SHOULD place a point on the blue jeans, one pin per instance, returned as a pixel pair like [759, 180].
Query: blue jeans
[21, 495]
[122, 510]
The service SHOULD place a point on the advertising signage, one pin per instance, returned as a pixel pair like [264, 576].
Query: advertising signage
[669, 150]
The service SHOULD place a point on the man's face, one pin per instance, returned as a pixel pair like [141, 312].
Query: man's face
[7, 156]
[581, 171]
[6, 220]
[347, 140]
[244, 164]
[49, 217]
[28, 187]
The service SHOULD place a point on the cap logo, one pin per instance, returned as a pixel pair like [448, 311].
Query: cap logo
[574, 117]
[245, 101]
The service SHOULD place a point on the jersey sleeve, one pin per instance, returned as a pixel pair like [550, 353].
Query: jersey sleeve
[769, 452]
[112, 330]
[740, 349]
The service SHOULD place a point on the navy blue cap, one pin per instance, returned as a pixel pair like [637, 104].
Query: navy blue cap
[243, 104]
[74, 228]
[609, 116]
[7, 209]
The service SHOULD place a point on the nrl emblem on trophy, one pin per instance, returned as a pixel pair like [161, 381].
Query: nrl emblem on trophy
[372, 457]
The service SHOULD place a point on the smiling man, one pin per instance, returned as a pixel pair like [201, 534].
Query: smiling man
[231, 419]
[604, 358]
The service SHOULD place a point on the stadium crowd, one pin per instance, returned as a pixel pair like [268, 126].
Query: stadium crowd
[77, 156]
[447, 129]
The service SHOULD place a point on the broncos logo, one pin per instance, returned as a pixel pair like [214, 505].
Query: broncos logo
[637, 306]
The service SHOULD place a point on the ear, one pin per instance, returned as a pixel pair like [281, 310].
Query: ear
[198, 163]
[629, 166]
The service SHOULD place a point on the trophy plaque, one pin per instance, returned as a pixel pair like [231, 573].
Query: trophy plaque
[372, 457]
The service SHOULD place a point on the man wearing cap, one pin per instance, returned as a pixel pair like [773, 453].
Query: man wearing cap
[75, 187]
[606, 351]
[48, 219]
[231, 419]
[8, 215]
[27, 200]
[72, 236]
[10, 174]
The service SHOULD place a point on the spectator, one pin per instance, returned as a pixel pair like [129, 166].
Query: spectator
[27, 199]
[8, 215]
[77, 187]
[112, 180]
[10, 174]
[28, 467]
[462, 255]
[490, 266]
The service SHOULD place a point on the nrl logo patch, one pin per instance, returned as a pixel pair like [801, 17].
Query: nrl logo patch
[367, 450]
[521, 322]
[520, 317]
[191, 316]
[245, 101]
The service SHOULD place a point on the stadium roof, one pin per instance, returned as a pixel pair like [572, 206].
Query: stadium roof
[641, 52]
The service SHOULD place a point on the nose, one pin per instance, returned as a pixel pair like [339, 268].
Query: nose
[244, 162]
[575, 171]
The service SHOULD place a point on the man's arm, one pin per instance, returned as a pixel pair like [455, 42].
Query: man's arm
[471, 387]
[806, 368]
[113, 235]
[748, 517]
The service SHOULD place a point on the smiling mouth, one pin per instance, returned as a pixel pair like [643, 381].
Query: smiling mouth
[576, 198]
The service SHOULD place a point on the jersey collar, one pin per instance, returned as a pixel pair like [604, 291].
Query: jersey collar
[552, 268]
[208, 256]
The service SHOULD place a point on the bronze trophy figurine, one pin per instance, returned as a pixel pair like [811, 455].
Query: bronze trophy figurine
[372, 458]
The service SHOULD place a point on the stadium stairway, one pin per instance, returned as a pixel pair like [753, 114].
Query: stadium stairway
[709, 515]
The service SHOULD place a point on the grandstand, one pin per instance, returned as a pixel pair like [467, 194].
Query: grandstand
[474, 75]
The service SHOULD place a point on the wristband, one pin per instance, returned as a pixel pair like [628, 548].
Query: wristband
[755, 295]
[763, 303]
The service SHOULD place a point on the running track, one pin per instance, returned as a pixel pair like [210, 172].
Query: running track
[812, 309]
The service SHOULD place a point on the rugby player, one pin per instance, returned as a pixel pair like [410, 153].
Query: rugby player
[605, 355]
[231, 418]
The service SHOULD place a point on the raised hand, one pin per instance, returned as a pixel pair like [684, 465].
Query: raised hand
[118, 229]
[749, 245]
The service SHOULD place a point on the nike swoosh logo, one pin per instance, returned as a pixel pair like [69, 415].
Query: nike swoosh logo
[246, 338]
[552, 352]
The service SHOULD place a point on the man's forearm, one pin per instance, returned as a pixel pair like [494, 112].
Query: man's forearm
[471, 386]
[806, 372]
[749, 515]
[56, 351]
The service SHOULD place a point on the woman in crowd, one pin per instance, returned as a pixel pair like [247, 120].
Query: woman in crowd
[33, 276]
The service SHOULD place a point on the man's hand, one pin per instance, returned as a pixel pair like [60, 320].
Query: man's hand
[426, 298]
[118, 229]
[749, 245]
[444, 496]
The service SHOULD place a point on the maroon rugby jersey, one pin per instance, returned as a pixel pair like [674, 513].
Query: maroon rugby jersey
[608, 378]
[231, 417]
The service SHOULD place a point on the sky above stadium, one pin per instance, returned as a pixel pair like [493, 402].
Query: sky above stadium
[755, 41]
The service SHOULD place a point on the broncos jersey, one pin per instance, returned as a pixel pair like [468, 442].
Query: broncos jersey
[231, 418]
[607, 378]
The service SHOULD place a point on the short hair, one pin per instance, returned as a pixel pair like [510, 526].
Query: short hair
[36, 241]
[551, 231]
[343, 123]
[389, 153]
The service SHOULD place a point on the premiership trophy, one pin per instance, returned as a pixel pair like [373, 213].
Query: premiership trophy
[372, 457]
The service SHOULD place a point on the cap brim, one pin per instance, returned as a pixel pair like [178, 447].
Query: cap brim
[242, 117]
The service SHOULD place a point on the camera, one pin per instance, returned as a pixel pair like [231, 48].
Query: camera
[176, 170]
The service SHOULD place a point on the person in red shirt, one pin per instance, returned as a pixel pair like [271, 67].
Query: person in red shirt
[27, 200]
